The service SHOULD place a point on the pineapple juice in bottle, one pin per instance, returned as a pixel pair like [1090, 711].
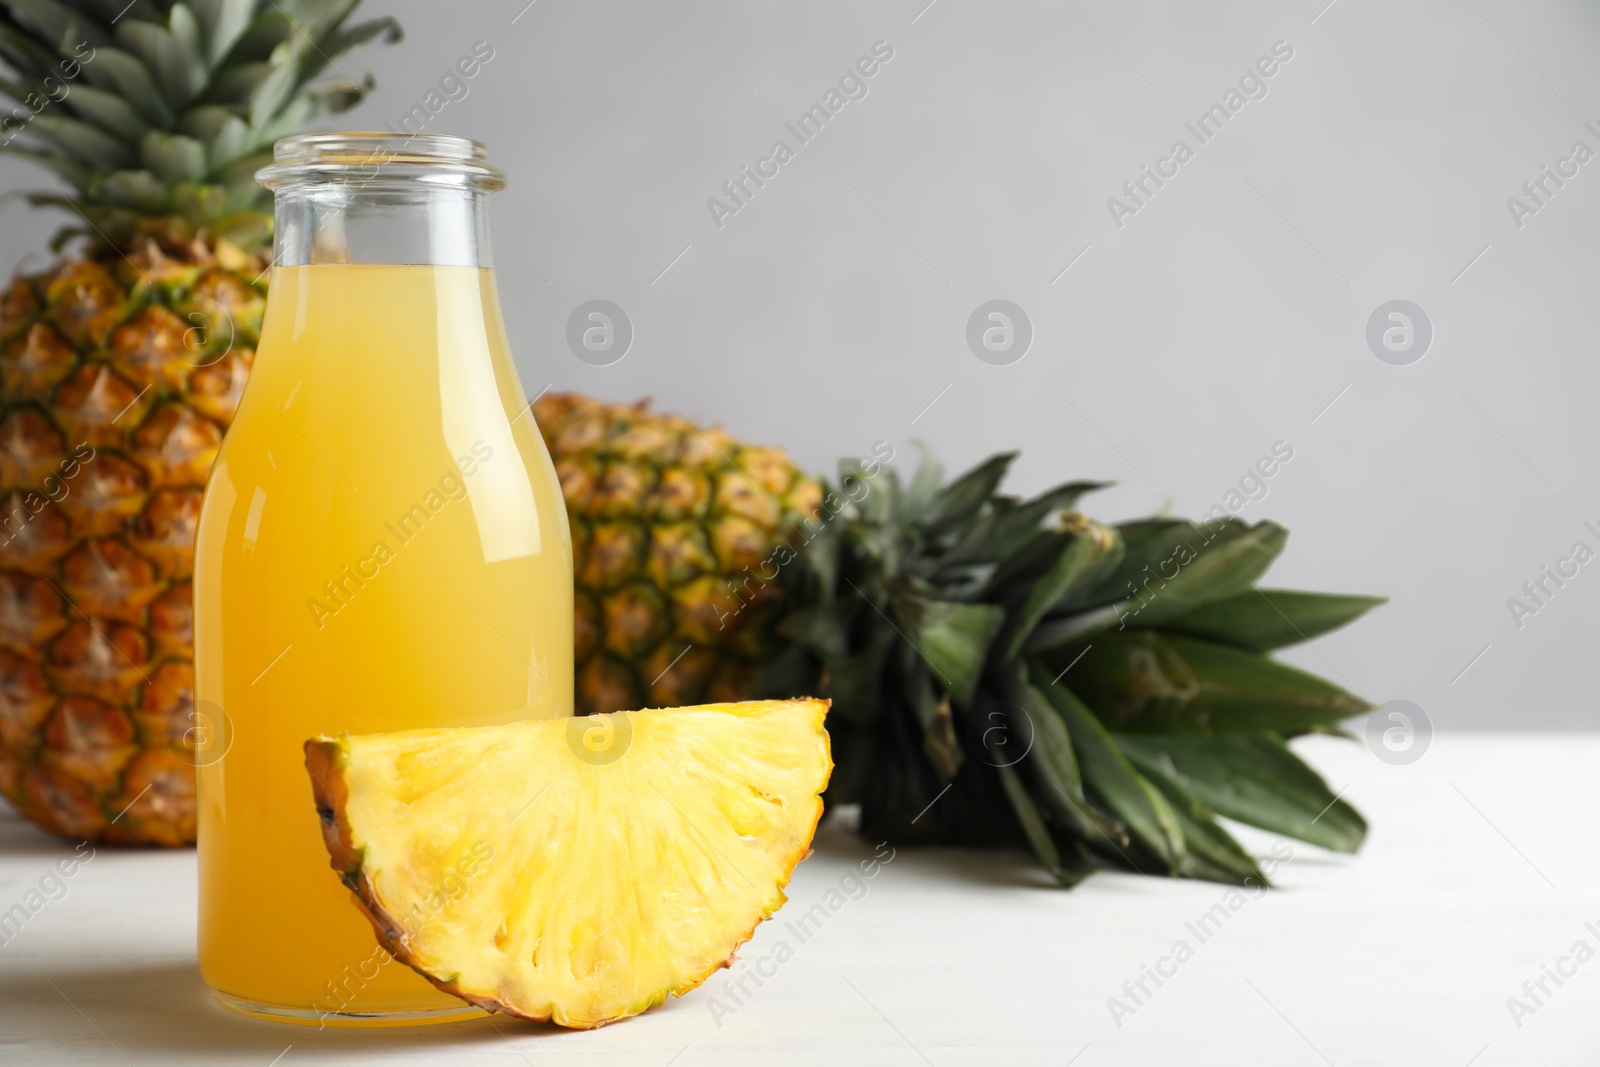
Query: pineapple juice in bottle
[383, 546]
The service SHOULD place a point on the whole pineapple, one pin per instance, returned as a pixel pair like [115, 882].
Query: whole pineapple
[1002, 671]
[673, 527]
[121, 367]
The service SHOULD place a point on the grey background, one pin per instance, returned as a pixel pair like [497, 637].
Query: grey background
[1227, 315]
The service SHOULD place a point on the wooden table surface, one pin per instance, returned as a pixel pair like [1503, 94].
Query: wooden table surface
[1480, 872]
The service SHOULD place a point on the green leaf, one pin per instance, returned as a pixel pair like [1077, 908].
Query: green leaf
[292, 118]
[977, 545]
[874, 497]
[24, 54]
[199, 202]
[56, 23]
[105, 10]
[16, 91]
[1109, 775]
[823, 628]
[1264, 619]
[85, 143]
[189, 37]
[317, 16]
[116, 70]
[1259, 781]
[1037, 833]
[1144, 682]
[1053, 763]
[138, 190]
[855, 683]
[1166, 818]
[1216, 569]
[170, 53]
[792, 673]
[821, 552]
[1025, 563]
[172, 157]
[225, 135]
[1051, 636]
[1183, 578]
[953, 638]
[273, 92]
[347, 39]
[1153, 547]
[924, 488]
[108, 111]
[1022, 520]
[1158, 532]
[263, 36]
[1076, 561]
[234, 85]
[961, 499]
[1211, 852]
[75, 173]
[1004, 530]
[239, 177]
[939, 741]
[222, 22]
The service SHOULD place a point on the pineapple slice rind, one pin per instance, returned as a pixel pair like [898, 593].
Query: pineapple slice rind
[575, 870]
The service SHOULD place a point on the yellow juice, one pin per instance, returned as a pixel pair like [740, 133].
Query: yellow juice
[383, 546]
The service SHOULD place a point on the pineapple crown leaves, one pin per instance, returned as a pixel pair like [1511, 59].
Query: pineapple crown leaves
[1009, 671]
[168, 107]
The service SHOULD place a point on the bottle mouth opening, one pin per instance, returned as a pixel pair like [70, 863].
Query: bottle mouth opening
[380, 159]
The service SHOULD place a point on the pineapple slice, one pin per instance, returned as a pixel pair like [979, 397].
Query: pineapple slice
[575, 870]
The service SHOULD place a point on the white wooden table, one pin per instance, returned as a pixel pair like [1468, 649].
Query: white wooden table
[1481, 869]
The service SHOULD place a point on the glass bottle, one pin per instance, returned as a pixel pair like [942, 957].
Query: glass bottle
[383, 546]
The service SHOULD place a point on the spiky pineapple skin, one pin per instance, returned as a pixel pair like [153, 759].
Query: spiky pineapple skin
[119, 373]
[678, 536]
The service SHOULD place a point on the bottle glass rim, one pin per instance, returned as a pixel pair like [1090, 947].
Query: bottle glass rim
[371, 158]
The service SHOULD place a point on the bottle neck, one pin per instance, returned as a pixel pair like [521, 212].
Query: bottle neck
[392, 222]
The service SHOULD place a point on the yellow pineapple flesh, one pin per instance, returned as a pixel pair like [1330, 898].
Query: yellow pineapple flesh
[678, 535]
[575, 870]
